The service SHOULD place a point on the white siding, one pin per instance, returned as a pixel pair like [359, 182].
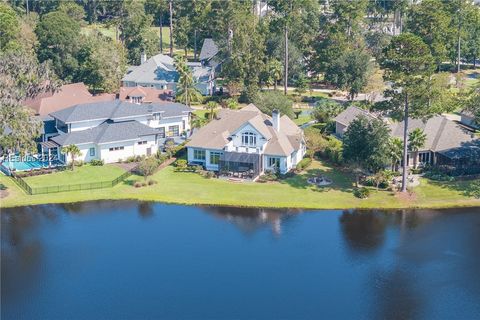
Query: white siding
[85, 153]
[77, 126]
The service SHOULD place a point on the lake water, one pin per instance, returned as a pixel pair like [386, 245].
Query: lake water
[130, 260]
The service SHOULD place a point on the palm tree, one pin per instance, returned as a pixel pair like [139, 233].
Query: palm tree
[416, 141]
[73, 151]
[396, 152]
[275, 72]
[211, 106]
[187, 92]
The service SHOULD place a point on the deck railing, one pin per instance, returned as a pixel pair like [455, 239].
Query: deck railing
[70, 187]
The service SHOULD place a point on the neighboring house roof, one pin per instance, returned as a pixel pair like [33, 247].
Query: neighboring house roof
[350, 114]
[148, 94]
[209, 49]
[105, 133]
[118, 109]
[216, 134]
[442, 134]
[160, 69]
[67, 96]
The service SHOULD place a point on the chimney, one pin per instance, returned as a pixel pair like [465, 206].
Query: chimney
[143, 57]
[276, 119]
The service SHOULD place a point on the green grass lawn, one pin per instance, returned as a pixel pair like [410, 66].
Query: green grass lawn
[83, 174]
[295, 192]
[302, 118]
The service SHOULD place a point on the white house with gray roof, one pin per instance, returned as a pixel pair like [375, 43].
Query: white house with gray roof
[159, 72]
[115, 130]
[247, 140]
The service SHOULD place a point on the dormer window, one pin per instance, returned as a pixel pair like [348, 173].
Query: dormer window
[156, 116]
[249, 139]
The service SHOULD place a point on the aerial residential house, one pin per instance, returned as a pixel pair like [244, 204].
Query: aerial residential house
[159, 72]
[448, 142]
[247, 140]
[115, 130]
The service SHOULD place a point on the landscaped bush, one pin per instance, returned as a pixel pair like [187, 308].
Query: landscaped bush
[130, 159]
[144, 184]
[137, 184]
[181, 165]
[152, 182]
[362, 193]
[97, 162]
[438, 176]
[269, 175]
[305, 163]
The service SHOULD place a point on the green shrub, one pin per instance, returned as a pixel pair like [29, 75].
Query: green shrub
[144, 184]
[97, 162]
[207, 174]
[130, 159]
[438, 176]
[475, 189]
[137, 184]
[181, 164]
[151, 182]
[305, 163]
[362, 193]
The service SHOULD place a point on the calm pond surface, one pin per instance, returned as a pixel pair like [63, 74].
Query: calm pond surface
[131, 260]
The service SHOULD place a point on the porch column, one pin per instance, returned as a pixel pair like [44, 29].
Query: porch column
[49, 159]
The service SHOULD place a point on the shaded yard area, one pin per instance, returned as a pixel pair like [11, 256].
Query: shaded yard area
[294, 192]
[83, 174]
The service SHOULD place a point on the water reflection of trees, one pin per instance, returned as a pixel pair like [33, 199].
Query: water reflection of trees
[250, 220]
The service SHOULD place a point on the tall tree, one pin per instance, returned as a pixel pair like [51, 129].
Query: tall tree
[366, 144]
[135, 30]
[396, 151]
[416, 141]
[187, 93]
[59, 37]
[102, 63]
[21, 77]
[350, 71]
[430, 21]
[74, 152]
[157, 8]
[170, 11]
[9, 28]
[408, 64]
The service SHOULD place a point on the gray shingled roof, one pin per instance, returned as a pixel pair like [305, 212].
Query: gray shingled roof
[158, 69]
[118, 109]
[443, 135]
[350, 114]
[215, 135]
[106, 132]
[209, 49]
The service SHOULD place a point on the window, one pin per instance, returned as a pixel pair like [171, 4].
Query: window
[161, 131]
[274, 162]
[92, 152]
[156, 116]
[424, 157]
[142, 142]
[115, 148]
[215, 157]
[199, 154]
[174, 131]
[249, 139]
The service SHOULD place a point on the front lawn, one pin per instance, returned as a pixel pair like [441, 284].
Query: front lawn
[83, 174]
[302, 118]
[295, 192]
